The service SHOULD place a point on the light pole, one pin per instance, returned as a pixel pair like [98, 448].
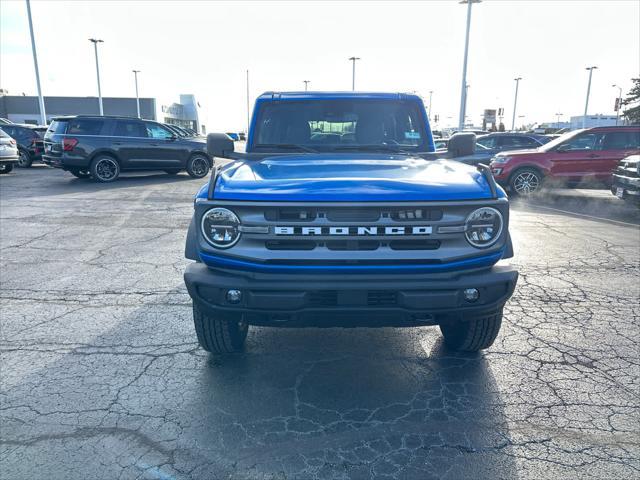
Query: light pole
[43, 114]
[353, 74]
[515, 103]
[247, 101]
[586, 103]
[558, 115]
[430, 100]
[306, 84]
[95, 42]
[619, 102]
[463, 94]
[135, 73]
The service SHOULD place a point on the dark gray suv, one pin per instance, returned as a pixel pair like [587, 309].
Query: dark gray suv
[102, 147]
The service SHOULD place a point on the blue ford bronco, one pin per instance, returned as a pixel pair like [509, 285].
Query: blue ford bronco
[340, 214]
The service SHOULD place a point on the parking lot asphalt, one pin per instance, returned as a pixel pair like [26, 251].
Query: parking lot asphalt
[101, 376]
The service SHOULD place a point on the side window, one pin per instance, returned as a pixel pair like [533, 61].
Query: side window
[157, 131]
[529, 142]
[489, 142]
[620, 140]
[8, 130]
[85, 126]
[586, 141]
[130, 128]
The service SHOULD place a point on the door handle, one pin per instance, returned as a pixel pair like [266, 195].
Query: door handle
[593, 155]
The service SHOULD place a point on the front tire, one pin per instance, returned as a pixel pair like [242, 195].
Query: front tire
[472, 335]
[104, 169]
[198, 166]
[525, 182]
[6, 168]
[220, 336]
[24, 159]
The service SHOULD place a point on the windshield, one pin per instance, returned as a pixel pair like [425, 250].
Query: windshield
[344, 124]
[557, 141]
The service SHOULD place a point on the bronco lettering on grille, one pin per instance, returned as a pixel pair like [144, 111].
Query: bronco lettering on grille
[353, 231]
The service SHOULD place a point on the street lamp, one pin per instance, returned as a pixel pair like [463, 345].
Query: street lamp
[135, 73]
[558, 115]
[515, 103]
[619, 102]
[463, 94]
[95, 42]
[586, 103]
[43, 115]
[430, 99]
[306, 84]
[353, 74]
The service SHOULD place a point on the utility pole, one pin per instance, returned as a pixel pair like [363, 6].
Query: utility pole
[430, 99]
[558, 115]
[586, 103]
[95, 42]
[135, 73]
[247, 101]
[353, 74]
[43, 114]
[463, 94]
[619, 102]
[306, 84]
[515, 103]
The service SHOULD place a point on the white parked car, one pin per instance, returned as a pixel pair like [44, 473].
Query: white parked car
[8, 153]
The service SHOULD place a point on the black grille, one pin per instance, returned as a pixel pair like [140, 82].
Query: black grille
[290, 244]
[382, 298]
[342, 245]
[323, 298]
[414, 244]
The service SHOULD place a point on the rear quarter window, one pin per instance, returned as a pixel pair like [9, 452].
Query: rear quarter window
[85, 126]
[57, 127]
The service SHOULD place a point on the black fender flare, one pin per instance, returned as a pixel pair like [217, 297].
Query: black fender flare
[508, 247]
[191, 244]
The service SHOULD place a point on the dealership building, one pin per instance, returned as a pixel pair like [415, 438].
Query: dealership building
[24, 109]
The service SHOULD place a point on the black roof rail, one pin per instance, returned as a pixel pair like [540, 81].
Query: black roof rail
[485, 170]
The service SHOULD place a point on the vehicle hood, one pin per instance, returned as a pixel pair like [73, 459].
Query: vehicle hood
[350, 177]
[514, 153]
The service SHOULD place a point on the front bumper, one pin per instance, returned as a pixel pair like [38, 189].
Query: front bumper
[291, 300]
[630, 186]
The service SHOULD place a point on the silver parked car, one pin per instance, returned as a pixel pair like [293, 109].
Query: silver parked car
[8, 153]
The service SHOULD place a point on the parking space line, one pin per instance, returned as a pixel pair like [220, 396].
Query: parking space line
[593, 217]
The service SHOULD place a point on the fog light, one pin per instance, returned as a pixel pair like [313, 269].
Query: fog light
[471, 294]
[234, 296]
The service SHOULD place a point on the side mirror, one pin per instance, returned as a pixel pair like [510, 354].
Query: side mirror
[563, 148]
[219, 145]
[461, 145]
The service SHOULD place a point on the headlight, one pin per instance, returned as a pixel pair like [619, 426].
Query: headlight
[483, 227]
[500, 159]
[220, 227]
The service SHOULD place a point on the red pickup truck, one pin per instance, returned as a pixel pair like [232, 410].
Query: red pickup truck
[578, 156]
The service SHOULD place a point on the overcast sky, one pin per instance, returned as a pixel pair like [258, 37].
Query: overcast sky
[204, 48]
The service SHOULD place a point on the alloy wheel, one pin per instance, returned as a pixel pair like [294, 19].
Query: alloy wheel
[106, 169]
[199, 166]
[23, 159]
[526, 183]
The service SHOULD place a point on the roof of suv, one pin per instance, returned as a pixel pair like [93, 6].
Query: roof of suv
[335, 95]
[121, 117]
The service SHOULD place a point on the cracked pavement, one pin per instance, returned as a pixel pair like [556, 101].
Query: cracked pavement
[102, 378]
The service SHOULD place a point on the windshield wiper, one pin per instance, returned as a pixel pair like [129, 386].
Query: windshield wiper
[373, 148]
[286, 146]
